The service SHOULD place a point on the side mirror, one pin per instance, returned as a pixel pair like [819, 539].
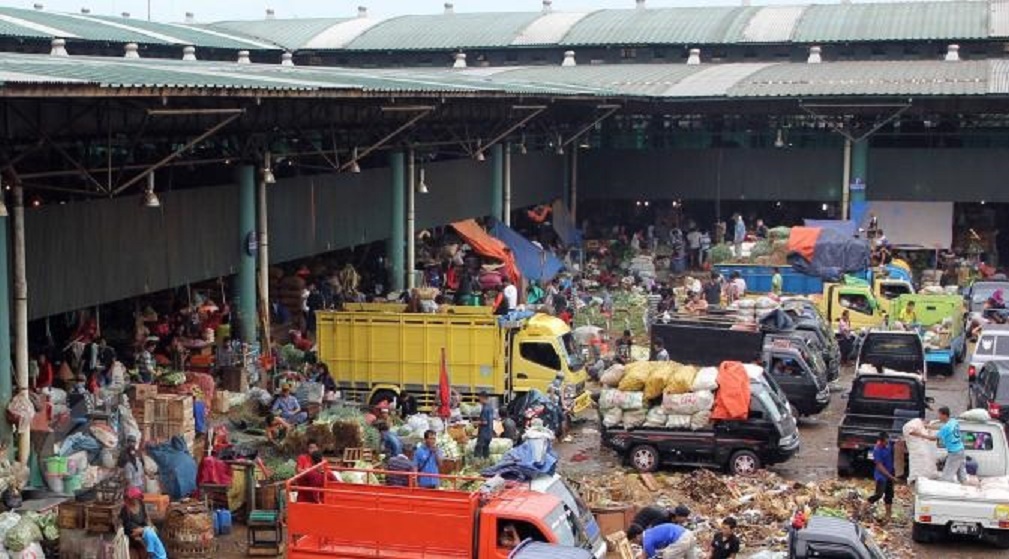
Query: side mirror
[929, 400]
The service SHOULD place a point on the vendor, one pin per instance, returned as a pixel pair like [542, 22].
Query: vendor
[665, 540]
[133, 465]
[427, 460]
[651, 516]
[276, 428]
[305, 460]
[485, 430]
[391, 445]
[288, 408]
[624, 345]
[311, 478]
[907, 316]
[407, 404]
[137, 525]
[146, 365]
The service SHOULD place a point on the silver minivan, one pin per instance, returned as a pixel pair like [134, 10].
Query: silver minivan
[992, 344]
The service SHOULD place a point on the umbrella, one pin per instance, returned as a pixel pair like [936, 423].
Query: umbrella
[444, 390]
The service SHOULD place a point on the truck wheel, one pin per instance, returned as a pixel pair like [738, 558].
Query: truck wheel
[645, 458]
[922, 533]
[999, 538]
[744, 463]
[843, 464]
[382, 395]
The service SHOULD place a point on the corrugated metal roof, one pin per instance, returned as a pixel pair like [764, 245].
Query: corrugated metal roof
[549, 29]
[89, 28]
[902, 21]
[625, 79]
[13, 26]
[714, 80]
[341, 34]
[998, 18]
[772, 24]
[658, 26]
[183, 34]
[849, 79]
[444, 31]
[998, 77]
[292, 34]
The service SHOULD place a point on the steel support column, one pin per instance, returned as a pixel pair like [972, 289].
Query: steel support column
[244, 297]
[859, 168]
[497, 182]
[507, 208]
[5, 330]
[21, 313]
[264, 251]
[397, 165]
[411, 220]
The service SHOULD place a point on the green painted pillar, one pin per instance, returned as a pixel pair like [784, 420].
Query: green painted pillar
[497, 182]
[859, 169]
[244, 296]
[6, 372]
[397, 231]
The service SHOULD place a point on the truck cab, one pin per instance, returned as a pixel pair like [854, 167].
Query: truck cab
[800, 373]
[877, 403]
[827, 537]
[862, 306]
[543, 351]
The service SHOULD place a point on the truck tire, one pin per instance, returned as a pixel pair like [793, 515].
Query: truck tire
[744, 463]
[381, 395]
[999, 538]
[644, 458]
[922, 533]
[844, 468]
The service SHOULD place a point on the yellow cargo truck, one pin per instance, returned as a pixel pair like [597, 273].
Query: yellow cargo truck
[375, 350]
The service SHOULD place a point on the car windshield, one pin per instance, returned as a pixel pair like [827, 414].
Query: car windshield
[870, 544]
[563, 524]
[983, 291]
[571, 352]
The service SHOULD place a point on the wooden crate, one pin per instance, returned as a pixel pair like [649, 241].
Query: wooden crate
[70, 516]
[139, 392]
[101, 518]
[173, 408]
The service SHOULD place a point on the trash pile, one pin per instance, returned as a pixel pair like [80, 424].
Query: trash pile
[763, 504]
[659, 394]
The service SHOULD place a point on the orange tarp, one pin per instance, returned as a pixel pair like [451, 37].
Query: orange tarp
[802, 240]
[484, 244]
[732, 400]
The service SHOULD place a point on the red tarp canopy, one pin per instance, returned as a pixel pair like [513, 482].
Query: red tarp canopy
[483, 243]
[802, 240]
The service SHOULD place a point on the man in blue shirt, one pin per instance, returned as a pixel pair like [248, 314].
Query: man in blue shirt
[391, 445]
[882, 456]
[485, 432]
[949, 434]
[427, 459]
[664, 541]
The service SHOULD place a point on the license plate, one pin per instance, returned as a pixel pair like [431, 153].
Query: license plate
[964, 529]
[868, 455]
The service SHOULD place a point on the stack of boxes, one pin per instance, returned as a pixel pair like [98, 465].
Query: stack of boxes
[163, 416]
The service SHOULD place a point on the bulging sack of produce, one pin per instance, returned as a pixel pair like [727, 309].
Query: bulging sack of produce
[657, 381]
[611, 417]
[612, 376]
[746, 304]
[501, 446]
[634, 418]
[700, 420]
[976, 415]
[635, 376]
[682, 380]
[656, 417]
[921, 453]
[633, 401]
[678, 421]
[689, 403]
[610, 399]
[706, 379]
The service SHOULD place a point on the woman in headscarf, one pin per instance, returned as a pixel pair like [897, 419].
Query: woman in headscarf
[137, 526]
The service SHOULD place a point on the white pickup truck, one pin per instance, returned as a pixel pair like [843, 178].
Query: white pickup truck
[943, 508]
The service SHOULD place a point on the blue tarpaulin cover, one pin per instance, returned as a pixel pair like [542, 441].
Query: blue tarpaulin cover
[176, 466]
[535, 263]
[520, 464]
[828, 255]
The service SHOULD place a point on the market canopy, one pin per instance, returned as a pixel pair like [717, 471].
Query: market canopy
[535, 263]
[488, 246]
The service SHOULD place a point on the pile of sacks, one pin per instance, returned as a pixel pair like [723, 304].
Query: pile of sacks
[658, 394]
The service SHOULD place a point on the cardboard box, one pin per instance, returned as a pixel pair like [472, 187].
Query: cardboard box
[140, 392]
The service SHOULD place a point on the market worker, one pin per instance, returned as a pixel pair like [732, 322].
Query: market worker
[311, 478]
[660, 351]
[288, 408]
[776, 281]
[391, 445]
[137, 525]
[407, 404]
[305, 461]
[908, 316]
[485, 431]
[624, 345]
[725, 544]
[650, 517]
[681, 515]
[956, 461]
[665, 541]
[146, 363]
[427, 460]
[883, 473]
[132, 465]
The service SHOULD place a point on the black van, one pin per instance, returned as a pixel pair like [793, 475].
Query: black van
[768, 436]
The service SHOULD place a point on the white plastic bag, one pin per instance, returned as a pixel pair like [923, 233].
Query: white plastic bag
[706, 379]
[921, 453]
[612, 417]
[976, 415]
[656, 417]
[700, 420]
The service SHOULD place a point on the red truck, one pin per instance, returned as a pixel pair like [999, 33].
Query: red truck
[368, 520]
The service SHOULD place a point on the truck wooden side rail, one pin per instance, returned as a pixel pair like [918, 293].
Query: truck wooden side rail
[371, 519]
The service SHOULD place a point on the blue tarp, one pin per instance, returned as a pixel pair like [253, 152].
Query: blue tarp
[847, 228]
[834, 255]
[519, 464]
[565, 225]
[176, 466]
[535, 263]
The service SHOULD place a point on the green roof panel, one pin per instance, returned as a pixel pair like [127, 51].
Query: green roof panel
[636, 79]
[444, 31]
[84, 27]
[901, 21]
[291, 34]
[192, 35]
[669, 26]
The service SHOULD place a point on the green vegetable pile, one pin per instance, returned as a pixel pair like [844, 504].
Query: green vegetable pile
[172, 378]
[721, 253]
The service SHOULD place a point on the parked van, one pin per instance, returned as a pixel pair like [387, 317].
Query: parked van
[992, 345]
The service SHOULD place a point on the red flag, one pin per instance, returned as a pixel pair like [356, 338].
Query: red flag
[444, 390]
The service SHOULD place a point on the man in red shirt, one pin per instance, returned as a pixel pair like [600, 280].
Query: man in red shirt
[305, 461]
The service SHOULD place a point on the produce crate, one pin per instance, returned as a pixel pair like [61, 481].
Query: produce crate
[110, 490]
[100, 518]
[139, 392]
[173, 408]
[70, 516]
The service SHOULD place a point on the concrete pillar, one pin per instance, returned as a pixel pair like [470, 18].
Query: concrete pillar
[573, 180]
[497, 182]
[21, 313]
[507, 208]
[859, 169]
[5, 330]
[411, 219]
[244, 296]
[262, 214]
[397, 163]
